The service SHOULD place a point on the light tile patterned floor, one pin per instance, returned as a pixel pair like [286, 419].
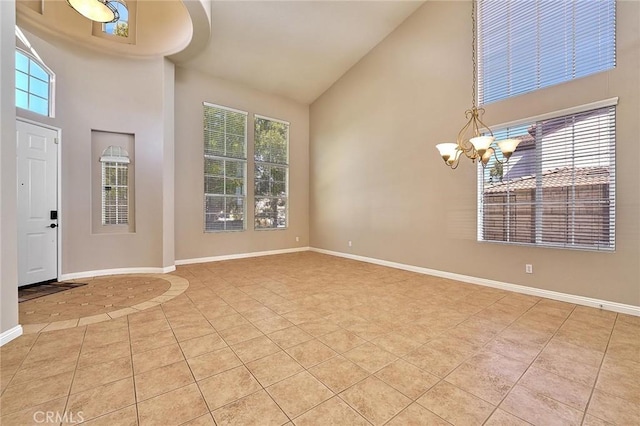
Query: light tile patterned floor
[317, 340]
[99, 296]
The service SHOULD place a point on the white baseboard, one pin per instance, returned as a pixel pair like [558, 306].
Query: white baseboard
[9, 335]
[118, 271]
[564, 297]
[239, 256]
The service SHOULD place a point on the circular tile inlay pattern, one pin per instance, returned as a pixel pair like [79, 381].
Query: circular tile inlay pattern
[102, 299]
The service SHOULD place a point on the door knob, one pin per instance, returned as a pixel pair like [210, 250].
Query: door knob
[53, 225]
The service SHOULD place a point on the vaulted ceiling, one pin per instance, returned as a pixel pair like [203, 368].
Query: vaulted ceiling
[296, 49]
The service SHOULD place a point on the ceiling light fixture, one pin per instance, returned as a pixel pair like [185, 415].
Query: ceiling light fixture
[96, 10]
[475, 139]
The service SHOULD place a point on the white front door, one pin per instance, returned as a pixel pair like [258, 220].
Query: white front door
[37, 203]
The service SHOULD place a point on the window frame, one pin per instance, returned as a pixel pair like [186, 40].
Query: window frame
[286, 166]
[50, 83]
[244, 162]
[98, 28]
[117, 162]
[612, 102]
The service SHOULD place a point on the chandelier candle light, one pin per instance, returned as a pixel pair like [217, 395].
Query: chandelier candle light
[471, 141]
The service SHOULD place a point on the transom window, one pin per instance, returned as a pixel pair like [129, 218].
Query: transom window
[115, 186]
[33, 84]
[527, 45]
[225, 167]
[271, 173]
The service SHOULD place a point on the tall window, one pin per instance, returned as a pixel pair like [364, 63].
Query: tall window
[527, 45]
[33, 85]
[558, 188]
[271, 173]
[115, 186]
[225, 166]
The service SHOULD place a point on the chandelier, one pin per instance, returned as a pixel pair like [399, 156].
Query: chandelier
[475, 140]
[97, 10]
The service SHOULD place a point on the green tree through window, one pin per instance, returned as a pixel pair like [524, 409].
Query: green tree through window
[225, 164]
[271, 173]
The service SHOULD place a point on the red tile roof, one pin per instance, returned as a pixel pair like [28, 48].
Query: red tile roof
[561, 177]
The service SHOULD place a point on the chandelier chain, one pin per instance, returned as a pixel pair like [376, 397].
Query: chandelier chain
[475, 139]
[473, 52]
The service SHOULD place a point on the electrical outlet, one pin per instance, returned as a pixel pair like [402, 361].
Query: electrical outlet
[349, 243]
[298, 239]
[528, 268]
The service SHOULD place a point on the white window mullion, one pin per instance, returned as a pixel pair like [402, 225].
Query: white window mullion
[572, 200]
[539, 197]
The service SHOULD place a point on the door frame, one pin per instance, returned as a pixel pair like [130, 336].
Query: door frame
[58, 186]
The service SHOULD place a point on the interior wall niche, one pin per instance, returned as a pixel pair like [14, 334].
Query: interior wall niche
[112, 182]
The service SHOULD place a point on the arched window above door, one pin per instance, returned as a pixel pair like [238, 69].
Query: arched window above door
[34, 84]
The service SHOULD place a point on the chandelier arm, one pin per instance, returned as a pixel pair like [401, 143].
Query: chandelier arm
[454, 165]
[465, 146]
[484, 126]
[495, 155]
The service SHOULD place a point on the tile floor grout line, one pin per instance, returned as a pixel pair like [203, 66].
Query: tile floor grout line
[184, 358]
[133, 373]
[21, 363]
[422, 406]
[443, 379]
[282, 350]
[526, 369]
[243, 365]
[350, 406]
[161, 307]
[73, 376]
[595, 383]
[531, 364]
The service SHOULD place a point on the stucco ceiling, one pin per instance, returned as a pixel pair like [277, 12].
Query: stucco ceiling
[295, 49]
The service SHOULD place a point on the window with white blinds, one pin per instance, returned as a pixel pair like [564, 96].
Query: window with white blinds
[225, 168]
[527, 45]
[115, 186]
[271, 173]
[558, 188]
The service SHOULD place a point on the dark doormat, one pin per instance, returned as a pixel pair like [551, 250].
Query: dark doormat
[34, 291]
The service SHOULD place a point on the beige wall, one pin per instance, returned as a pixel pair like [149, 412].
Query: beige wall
[102, 92]
[168, 165]
[8, 223]
[377, 179]
[191, 90]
